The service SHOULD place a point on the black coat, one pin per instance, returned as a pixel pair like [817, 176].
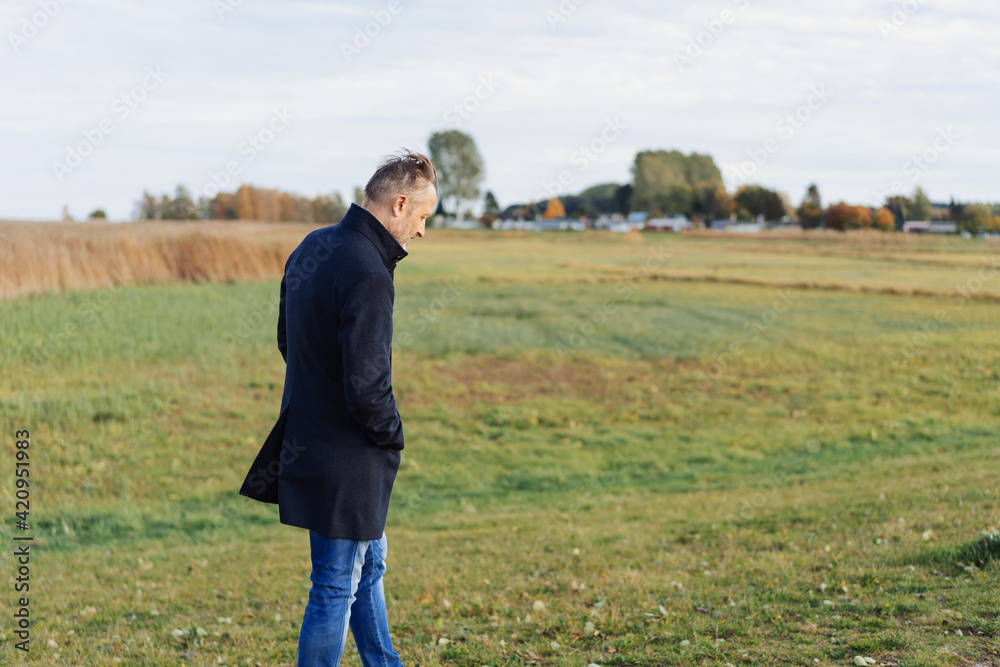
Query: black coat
[331, 458]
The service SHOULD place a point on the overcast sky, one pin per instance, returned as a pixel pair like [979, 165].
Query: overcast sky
[161, 93]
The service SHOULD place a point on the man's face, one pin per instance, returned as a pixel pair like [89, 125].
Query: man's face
[409, 214]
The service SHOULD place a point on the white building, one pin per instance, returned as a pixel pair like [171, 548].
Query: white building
[676, 224]
[928, 227]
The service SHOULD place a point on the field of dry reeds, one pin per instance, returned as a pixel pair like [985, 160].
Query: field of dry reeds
[52, 257]
[55, 256]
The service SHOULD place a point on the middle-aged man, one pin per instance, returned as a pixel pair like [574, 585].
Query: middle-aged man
[331, 458]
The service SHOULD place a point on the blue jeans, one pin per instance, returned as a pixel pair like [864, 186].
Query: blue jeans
[346, 590]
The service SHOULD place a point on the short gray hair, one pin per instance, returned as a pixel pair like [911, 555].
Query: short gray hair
[400, 173]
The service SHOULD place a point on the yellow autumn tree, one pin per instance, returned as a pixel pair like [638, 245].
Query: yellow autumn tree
[555, 209]
[244, 203]
[884, 220]
[289, 210]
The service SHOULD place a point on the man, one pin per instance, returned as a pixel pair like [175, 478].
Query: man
[331, 458]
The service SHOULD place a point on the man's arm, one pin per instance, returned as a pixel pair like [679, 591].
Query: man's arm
[282, 331]
[366, 341]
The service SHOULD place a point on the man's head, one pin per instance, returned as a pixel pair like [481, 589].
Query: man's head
[402, 193]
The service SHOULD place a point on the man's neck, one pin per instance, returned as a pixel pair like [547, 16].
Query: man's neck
[377, 212]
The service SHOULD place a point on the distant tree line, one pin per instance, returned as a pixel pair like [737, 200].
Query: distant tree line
[247, 203]
[664, 183]
[895, 212]
[670, 183]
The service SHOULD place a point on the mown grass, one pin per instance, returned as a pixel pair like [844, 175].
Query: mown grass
[579, 450]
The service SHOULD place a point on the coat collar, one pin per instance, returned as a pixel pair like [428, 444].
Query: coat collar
[362, 221]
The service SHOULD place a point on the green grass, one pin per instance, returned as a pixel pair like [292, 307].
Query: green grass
[580, 449]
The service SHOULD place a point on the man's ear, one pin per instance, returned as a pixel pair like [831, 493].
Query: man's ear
[397, 205]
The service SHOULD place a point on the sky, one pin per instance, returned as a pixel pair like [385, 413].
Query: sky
[105, 99]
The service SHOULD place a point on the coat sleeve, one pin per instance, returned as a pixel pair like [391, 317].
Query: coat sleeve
[282, 329]
[282, 326]
[366, 342]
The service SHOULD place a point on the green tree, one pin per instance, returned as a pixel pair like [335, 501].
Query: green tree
[459, 165]
[901, 208]
[149, 207]
[98, 214]
[491, 210]
[181, 207]
[623, 199]
[753, 201]
[956, 211]
[594, 200]
[810, 211]
[712, 202]
[490, 205]
[328, 208]
[921, 208]
[976, 218]
[597, 199]
[702, 172]
[671, 183]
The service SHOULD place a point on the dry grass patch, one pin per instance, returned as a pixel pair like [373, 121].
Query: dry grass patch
[40, 257]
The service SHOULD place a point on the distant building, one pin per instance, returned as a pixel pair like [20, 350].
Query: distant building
[605, 220]
[562, 224]
[624, 227]
[676, 224]
[744, 227]
[943, 228]
[618, 223]
[928, 227]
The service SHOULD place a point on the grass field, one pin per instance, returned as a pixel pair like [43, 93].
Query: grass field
[621, 450]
